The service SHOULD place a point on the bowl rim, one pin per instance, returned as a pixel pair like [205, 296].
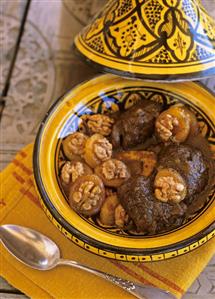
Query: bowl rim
[62, 223]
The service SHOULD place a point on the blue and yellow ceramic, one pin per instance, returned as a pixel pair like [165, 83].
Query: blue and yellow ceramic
[170, 40]
[111, 93]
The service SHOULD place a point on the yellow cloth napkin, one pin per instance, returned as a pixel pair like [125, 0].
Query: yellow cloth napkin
[19, 204]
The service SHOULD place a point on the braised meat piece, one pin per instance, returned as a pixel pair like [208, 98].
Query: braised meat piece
[190, 163]
[134, 125]
[149, 215]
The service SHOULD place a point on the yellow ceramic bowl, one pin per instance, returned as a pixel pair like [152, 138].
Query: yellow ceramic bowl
[108, 92]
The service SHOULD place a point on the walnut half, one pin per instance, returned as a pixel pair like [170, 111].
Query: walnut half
[98, 123]
[87, 195]
[165, 126]
[97, 150]
[169, 186]
[74, 145]
[174, 124]
[113, 172]
[114, 169]
[72, 170]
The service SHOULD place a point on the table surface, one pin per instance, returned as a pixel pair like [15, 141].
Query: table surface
[45, 68]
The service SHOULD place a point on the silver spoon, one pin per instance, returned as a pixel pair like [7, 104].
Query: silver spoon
[39, 252]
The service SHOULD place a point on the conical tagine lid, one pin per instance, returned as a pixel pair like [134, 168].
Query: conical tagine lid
[159, 40]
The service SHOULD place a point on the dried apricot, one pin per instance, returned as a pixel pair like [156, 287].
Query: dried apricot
[74, 145]
[169, 186]
[107, 212]
[97, 150]
[121, 217]
[71, 170]
[113, 172]
[173, 124]
[87, 195]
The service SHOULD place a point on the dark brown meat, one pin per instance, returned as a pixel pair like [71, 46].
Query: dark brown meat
[135, 125]
[190, 163]
[195, 204]
[148, 214]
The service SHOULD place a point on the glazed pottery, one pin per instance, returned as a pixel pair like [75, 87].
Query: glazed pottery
[109, 93]
[158, 40]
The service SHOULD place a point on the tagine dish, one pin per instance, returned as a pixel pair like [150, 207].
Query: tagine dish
[125, 169]
[145, 170]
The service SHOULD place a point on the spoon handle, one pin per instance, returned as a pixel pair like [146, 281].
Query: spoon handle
[140, 291]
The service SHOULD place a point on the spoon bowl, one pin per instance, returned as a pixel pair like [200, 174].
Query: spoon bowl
[30, 247]
[39, 252]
